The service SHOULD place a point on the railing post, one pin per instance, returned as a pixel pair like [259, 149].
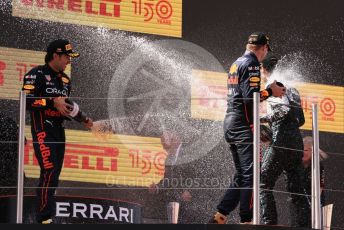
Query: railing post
[256, 158]
[21, 143]
[316, 207]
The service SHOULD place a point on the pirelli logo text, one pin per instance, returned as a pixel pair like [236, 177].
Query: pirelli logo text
[163, 17]
[118, 160]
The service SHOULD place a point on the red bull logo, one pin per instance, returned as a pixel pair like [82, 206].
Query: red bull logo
[45, 151]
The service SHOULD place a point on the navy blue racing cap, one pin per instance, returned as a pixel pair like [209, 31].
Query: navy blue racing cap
[259, 38]
[62, 46]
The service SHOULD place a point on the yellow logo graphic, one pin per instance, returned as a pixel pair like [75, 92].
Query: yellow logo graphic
[68, 47]
[29, 87]
[254, 79]
[41, 102]
[233, 69]
[65, 80]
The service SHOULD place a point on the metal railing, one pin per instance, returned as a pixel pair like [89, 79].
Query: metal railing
[316, 208]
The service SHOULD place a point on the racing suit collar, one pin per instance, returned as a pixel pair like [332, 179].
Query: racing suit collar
[50, 70]
[248, 52]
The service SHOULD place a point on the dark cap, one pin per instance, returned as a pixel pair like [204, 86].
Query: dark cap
[259, 38]
[269, 62]
[61, 46]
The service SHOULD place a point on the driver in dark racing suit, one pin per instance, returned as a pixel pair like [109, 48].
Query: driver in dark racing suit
[243, 81]
[285, 116]
[47, 88]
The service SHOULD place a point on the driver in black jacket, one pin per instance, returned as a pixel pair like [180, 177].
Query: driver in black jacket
[285, 117]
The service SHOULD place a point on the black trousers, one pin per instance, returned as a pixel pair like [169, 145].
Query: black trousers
[240, 189]
[275, 161]
[49, 146]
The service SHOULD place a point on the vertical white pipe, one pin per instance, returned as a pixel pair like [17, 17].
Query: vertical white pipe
[316, 171]
[20, 182]
[256, 158]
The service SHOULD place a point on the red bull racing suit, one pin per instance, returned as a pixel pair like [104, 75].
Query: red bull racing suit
[243, 81]
[42, 84]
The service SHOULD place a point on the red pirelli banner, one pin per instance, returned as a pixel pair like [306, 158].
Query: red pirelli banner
[162, 17]
[209, 91]
[120, 159]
